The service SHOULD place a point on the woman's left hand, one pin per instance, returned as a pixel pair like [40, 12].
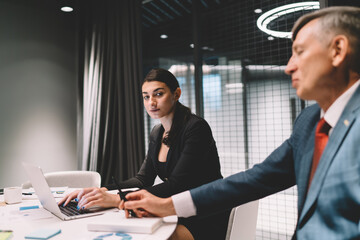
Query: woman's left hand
[98, 197]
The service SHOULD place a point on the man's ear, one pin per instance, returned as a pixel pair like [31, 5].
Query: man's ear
[177, 93]
[339, 49]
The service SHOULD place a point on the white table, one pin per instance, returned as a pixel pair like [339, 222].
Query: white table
[12, 218]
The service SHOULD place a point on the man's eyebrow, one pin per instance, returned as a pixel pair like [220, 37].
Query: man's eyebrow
[297, 46]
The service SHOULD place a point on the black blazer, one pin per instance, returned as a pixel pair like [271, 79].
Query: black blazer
[192, 160]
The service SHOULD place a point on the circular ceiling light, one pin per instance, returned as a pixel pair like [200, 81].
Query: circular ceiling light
[264, 20]
[163, 36]
[67, 9]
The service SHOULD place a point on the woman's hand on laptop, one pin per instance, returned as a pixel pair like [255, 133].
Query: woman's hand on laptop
[69, 197]
[98, 197]
[92, 197]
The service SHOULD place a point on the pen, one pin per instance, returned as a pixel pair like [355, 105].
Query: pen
[122, 196]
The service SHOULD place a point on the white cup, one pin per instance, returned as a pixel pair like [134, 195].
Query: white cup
[12, 195]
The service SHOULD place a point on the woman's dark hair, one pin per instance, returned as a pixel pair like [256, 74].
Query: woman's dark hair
[181, 114]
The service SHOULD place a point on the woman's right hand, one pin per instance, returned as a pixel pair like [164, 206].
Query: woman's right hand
[75, 195]
[92, 197]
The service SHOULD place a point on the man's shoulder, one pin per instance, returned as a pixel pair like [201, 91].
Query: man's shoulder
[312, 111]
[307, 119]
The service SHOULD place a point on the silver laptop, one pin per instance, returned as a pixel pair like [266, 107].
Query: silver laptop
[47, 199]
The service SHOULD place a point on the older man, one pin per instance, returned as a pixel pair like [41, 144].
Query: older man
[322, 156]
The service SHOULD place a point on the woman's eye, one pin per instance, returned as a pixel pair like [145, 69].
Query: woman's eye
[146, 97]
[159, 94]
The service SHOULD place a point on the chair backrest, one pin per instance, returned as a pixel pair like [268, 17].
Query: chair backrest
[72, 179]
[242, 222]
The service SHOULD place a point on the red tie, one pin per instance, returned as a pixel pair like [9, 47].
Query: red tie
[321, 139]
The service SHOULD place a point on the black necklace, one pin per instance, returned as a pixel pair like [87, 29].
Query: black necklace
[165, 138]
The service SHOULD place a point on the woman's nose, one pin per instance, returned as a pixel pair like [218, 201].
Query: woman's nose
[152, 102]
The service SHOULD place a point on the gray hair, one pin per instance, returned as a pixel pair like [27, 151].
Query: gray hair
[334, 21]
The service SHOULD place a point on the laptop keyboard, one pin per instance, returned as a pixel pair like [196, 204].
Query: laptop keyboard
[71, 209]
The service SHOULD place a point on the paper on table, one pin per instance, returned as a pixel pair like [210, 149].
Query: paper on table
[58, 192]
[11, 215]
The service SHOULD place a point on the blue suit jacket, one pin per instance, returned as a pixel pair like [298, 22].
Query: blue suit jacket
[330, 209]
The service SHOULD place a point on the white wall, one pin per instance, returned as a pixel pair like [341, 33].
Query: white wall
[37, 89]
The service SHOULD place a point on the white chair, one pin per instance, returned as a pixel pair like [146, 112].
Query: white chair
[242, 222]
[71, 179]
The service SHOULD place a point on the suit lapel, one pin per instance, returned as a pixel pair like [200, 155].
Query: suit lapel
[335, 140]
[305, 161]
[155, 142]
[304, 171]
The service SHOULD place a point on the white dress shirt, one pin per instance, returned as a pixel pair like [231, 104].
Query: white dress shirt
[183, 203]
[334, 112]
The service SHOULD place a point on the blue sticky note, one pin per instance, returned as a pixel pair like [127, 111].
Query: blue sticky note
[43, 233]
[28, 207]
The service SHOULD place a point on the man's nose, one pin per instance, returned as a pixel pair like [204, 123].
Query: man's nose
[291, 66]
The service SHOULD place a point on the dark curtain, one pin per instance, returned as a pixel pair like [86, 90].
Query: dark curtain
[111, 138]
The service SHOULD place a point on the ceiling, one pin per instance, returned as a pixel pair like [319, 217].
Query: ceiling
[157, 12]
[227, 28]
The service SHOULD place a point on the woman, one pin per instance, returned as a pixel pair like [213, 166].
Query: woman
[182, 152]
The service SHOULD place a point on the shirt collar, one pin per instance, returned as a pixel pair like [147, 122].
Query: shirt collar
[334, 112]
